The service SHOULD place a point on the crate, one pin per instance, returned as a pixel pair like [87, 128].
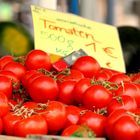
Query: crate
[45, 137]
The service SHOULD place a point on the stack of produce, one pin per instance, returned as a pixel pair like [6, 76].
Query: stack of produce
[83, 100]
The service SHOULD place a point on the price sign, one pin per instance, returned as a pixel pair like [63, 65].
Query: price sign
[62, 33]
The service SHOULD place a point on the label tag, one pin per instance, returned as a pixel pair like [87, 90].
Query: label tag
[62, 33]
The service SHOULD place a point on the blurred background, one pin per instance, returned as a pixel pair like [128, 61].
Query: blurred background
[114, 12]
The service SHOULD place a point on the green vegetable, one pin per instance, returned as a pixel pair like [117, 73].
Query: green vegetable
[15, 39]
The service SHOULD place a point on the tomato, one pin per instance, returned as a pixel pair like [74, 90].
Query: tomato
[105, 74]
[55, 116]
[125, 128]
[73, 115]
[122, 124]
[70, 75]
[1, 126]
[87, 65]
[111, 72]
[69, 131]
[34, 124]
[9, 120]
[94, 121]
[30, 79]
[43, 88]
[4, 60]
[130, 89]
[66, 94]
[15, 67]
[80, 87]
[30, 104]
[138, 135]
[78, 131]
[111, 119]
[123, 101]
[12, 77]
[135, 77]
[11, 104]
[101, 76]
[96, 97]
[37, 59]
[119, 78]
[6, 86]
[28, 74]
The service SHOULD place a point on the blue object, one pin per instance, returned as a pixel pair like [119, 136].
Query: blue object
[74, 7]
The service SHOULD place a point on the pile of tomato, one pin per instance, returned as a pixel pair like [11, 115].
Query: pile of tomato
[84, 100]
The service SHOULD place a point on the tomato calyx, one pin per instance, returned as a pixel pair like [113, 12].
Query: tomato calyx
[51, 74]
[119, 99]
[54, 74]
[101, 111]
[66, 72]
[42, 106]
[106, 84]
[20, 59]
[82, 112]
[20, 96]
[135, 117]
[87, 132]
[25, 112]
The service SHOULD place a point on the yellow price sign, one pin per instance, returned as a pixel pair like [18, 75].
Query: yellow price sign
[62, 33]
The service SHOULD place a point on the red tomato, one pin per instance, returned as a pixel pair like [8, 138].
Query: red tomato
[125, 128]
[30, 105]
[35, 124]
[43, 88]
[122, 102]
[87, 65]
[122, 124]
[111, 119]
[70, 75]
[17, 68]
[130, 89]
[119, 78]
[55, 115]
[73, 115]
[135, 77]
[94, 121]
[30, 79]
[105, 74]
[4, 60]
[66, 94]
[111, 72]
[138, 135]
[79, 89]
[96, 97]
[1, 126]
[6, 86]
[11, 104]
[78, 131]
[37, 59]
[12, 77]
[26, 76]
[100, 76]
[9, 120]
